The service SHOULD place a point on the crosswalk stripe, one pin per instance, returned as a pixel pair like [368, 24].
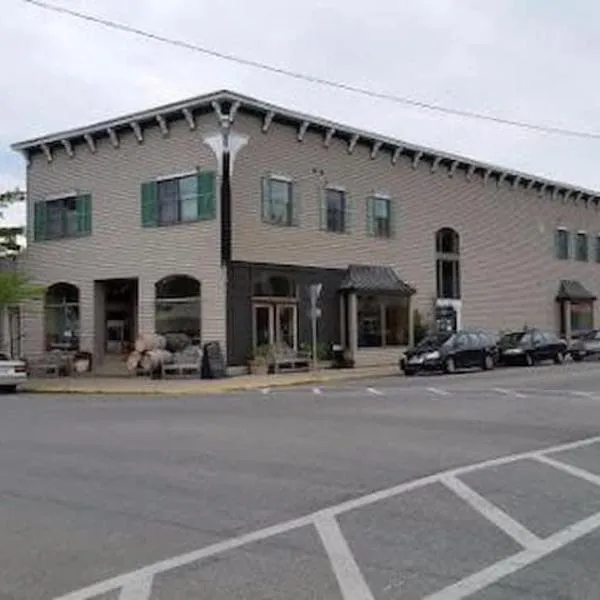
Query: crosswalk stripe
[438, 391]
[374, 391]
[317, 390]
[509, 392]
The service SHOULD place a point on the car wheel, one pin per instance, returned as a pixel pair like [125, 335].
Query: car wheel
[528, 360]
[577, 357]
[559, 358]
[409, 373]
[488, 362]
[8, 389]
[449, 366]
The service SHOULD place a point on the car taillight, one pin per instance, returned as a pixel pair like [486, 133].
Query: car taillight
[20, 369]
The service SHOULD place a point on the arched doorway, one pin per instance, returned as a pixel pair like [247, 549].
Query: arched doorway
[62, 317]
[448, 279]
[178, 307]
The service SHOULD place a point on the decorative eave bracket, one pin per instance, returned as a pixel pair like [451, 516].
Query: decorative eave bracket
[68, 147]
[189, 117]
[89, 140]
[417, 160]
[137, 131]
[328, 137]
[302, 130]
[375, 149]
[352, 143]
[267, 121]
[114, 138]
[396, 154]
[162, 123]
[47, 152]
[435, 165]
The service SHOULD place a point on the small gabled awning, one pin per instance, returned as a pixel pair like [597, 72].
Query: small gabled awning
[375, 279]
[574, 291]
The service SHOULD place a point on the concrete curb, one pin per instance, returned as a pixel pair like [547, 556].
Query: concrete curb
[163, 388]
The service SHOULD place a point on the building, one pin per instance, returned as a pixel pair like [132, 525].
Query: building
[214, 215]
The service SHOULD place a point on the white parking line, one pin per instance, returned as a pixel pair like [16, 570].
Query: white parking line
[374, 391]
[317, 390]
[139, 588]
[581, 394]
[351, 581]
[437, 391]
[494, 573]
[492, 513]
[265, 390]
[570, 469]
[509, 393]
[497, 572]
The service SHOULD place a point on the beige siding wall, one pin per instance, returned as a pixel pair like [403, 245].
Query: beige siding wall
[119, 247]
[509, 273]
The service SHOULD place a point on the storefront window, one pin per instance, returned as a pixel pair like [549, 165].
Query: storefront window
[61, 315]
[178, 307]
[382, 322]
[582, 316]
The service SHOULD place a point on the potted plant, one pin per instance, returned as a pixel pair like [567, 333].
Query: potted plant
[258, 364]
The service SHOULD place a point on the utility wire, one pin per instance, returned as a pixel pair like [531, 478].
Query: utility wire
[314, 79]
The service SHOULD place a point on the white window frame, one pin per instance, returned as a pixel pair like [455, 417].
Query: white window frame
[576, 244]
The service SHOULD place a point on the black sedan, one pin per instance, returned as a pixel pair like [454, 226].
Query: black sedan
[531, 346]
[449, 351]
[586, 344]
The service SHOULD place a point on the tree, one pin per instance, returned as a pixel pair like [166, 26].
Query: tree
[16, 288]
[10, 237]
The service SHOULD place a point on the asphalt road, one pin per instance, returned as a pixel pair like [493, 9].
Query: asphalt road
[485, 485]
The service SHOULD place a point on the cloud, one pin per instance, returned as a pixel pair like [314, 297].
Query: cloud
[529, 61]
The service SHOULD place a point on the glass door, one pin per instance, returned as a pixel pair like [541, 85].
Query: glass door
[287, 325]
[263, 325]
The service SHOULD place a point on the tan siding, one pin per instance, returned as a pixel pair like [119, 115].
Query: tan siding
[119, 246]
[509, 273]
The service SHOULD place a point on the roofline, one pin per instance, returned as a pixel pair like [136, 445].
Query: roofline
[248, 102]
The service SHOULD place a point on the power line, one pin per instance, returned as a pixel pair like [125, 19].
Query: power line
[313, 79]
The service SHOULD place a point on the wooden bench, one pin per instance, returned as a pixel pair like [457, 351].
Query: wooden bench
[52, 364]
[188, 362]
[288, 360]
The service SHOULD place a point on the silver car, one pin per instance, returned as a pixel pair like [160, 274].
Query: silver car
[13, 373]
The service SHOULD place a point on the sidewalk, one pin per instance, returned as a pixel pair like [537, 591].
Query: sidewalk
[195, 387]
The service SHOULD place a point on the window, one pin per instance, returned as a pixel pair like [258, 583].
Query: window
[582, 316]
[382, 322]
[179, 199]
[62, 218]
[274, 286]
[379, 217]
[61, 315]
[563, 243]
[178, 307]
[581, 246]
[334, 211]
[278, 206]
[447, 265]
[597, 249]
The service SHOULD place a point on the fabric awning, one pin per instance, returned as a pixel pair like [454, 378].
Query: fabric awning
[375, 279]
[574, 291]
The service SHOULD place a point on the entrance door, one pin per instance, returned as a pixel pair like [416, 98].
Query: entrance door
[276, 323]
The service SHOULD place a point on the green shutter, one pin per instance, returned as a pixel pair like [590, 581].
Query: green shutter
[206, 195]
[349, 216]
[265, 198]
[39, 221]
[149, 204]
[369, 217]
[392, 217]
[322, 200]
[296, 201]
[84, 214]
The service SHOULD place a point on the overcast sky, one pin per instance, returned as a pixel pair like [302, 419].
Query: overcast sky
[533, 60]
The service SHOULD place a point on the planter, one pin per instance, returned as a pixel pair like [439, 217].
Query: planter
[258, 368]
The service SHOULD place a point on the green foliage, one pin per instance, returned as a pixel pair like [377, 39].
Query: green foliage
[16, 287]
[9, 236]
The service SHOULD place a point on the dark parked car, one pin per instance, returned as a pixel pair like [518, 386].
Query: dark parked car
[450, 351]
[531, 346]
[586, 344]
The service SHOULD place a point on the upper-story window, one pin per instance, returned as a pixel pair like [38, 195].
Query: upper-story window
[279, 203]
[181, 199]
[563, 244]
[379, 217]
[447, 263]
[334, 211]
[60, 218]
[597, 249]
[581, 246]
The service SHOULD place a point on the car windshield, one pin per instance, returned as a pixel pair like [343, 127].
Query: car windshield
[516, 337]
[434, 341]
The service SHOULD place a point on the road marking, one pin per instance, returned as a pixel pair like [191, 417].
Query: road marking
[581, 394]
[139, 588]
[437, 391]
[374, 391]
[317, 390]
[492, 513]
[570, 469]
[351, 581]
[509, 393]
[265, 390]
[114, 583]
[494, 573]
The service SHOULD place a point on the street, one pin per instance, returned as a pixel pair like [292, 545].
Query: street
[479, 485]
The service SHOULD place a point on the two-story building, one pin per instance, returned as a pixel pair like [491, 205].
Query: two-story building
[212, 216]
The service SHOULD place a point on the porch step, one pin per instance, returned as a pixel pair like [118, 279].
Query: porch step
[112, 366]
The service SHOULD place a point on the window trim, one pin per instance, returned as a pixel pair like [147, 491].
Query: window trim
[175, 176]
[293, 220]
[578, 233]
[597, 248]
[74, 195]
[340, 190]
[569, 243]
[372, 199]
[382, 303]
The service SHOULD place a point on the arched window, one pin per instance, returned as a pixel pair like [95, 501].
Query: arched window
[275, 286]
[178, 306]
[61, 315]
[447, 263]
